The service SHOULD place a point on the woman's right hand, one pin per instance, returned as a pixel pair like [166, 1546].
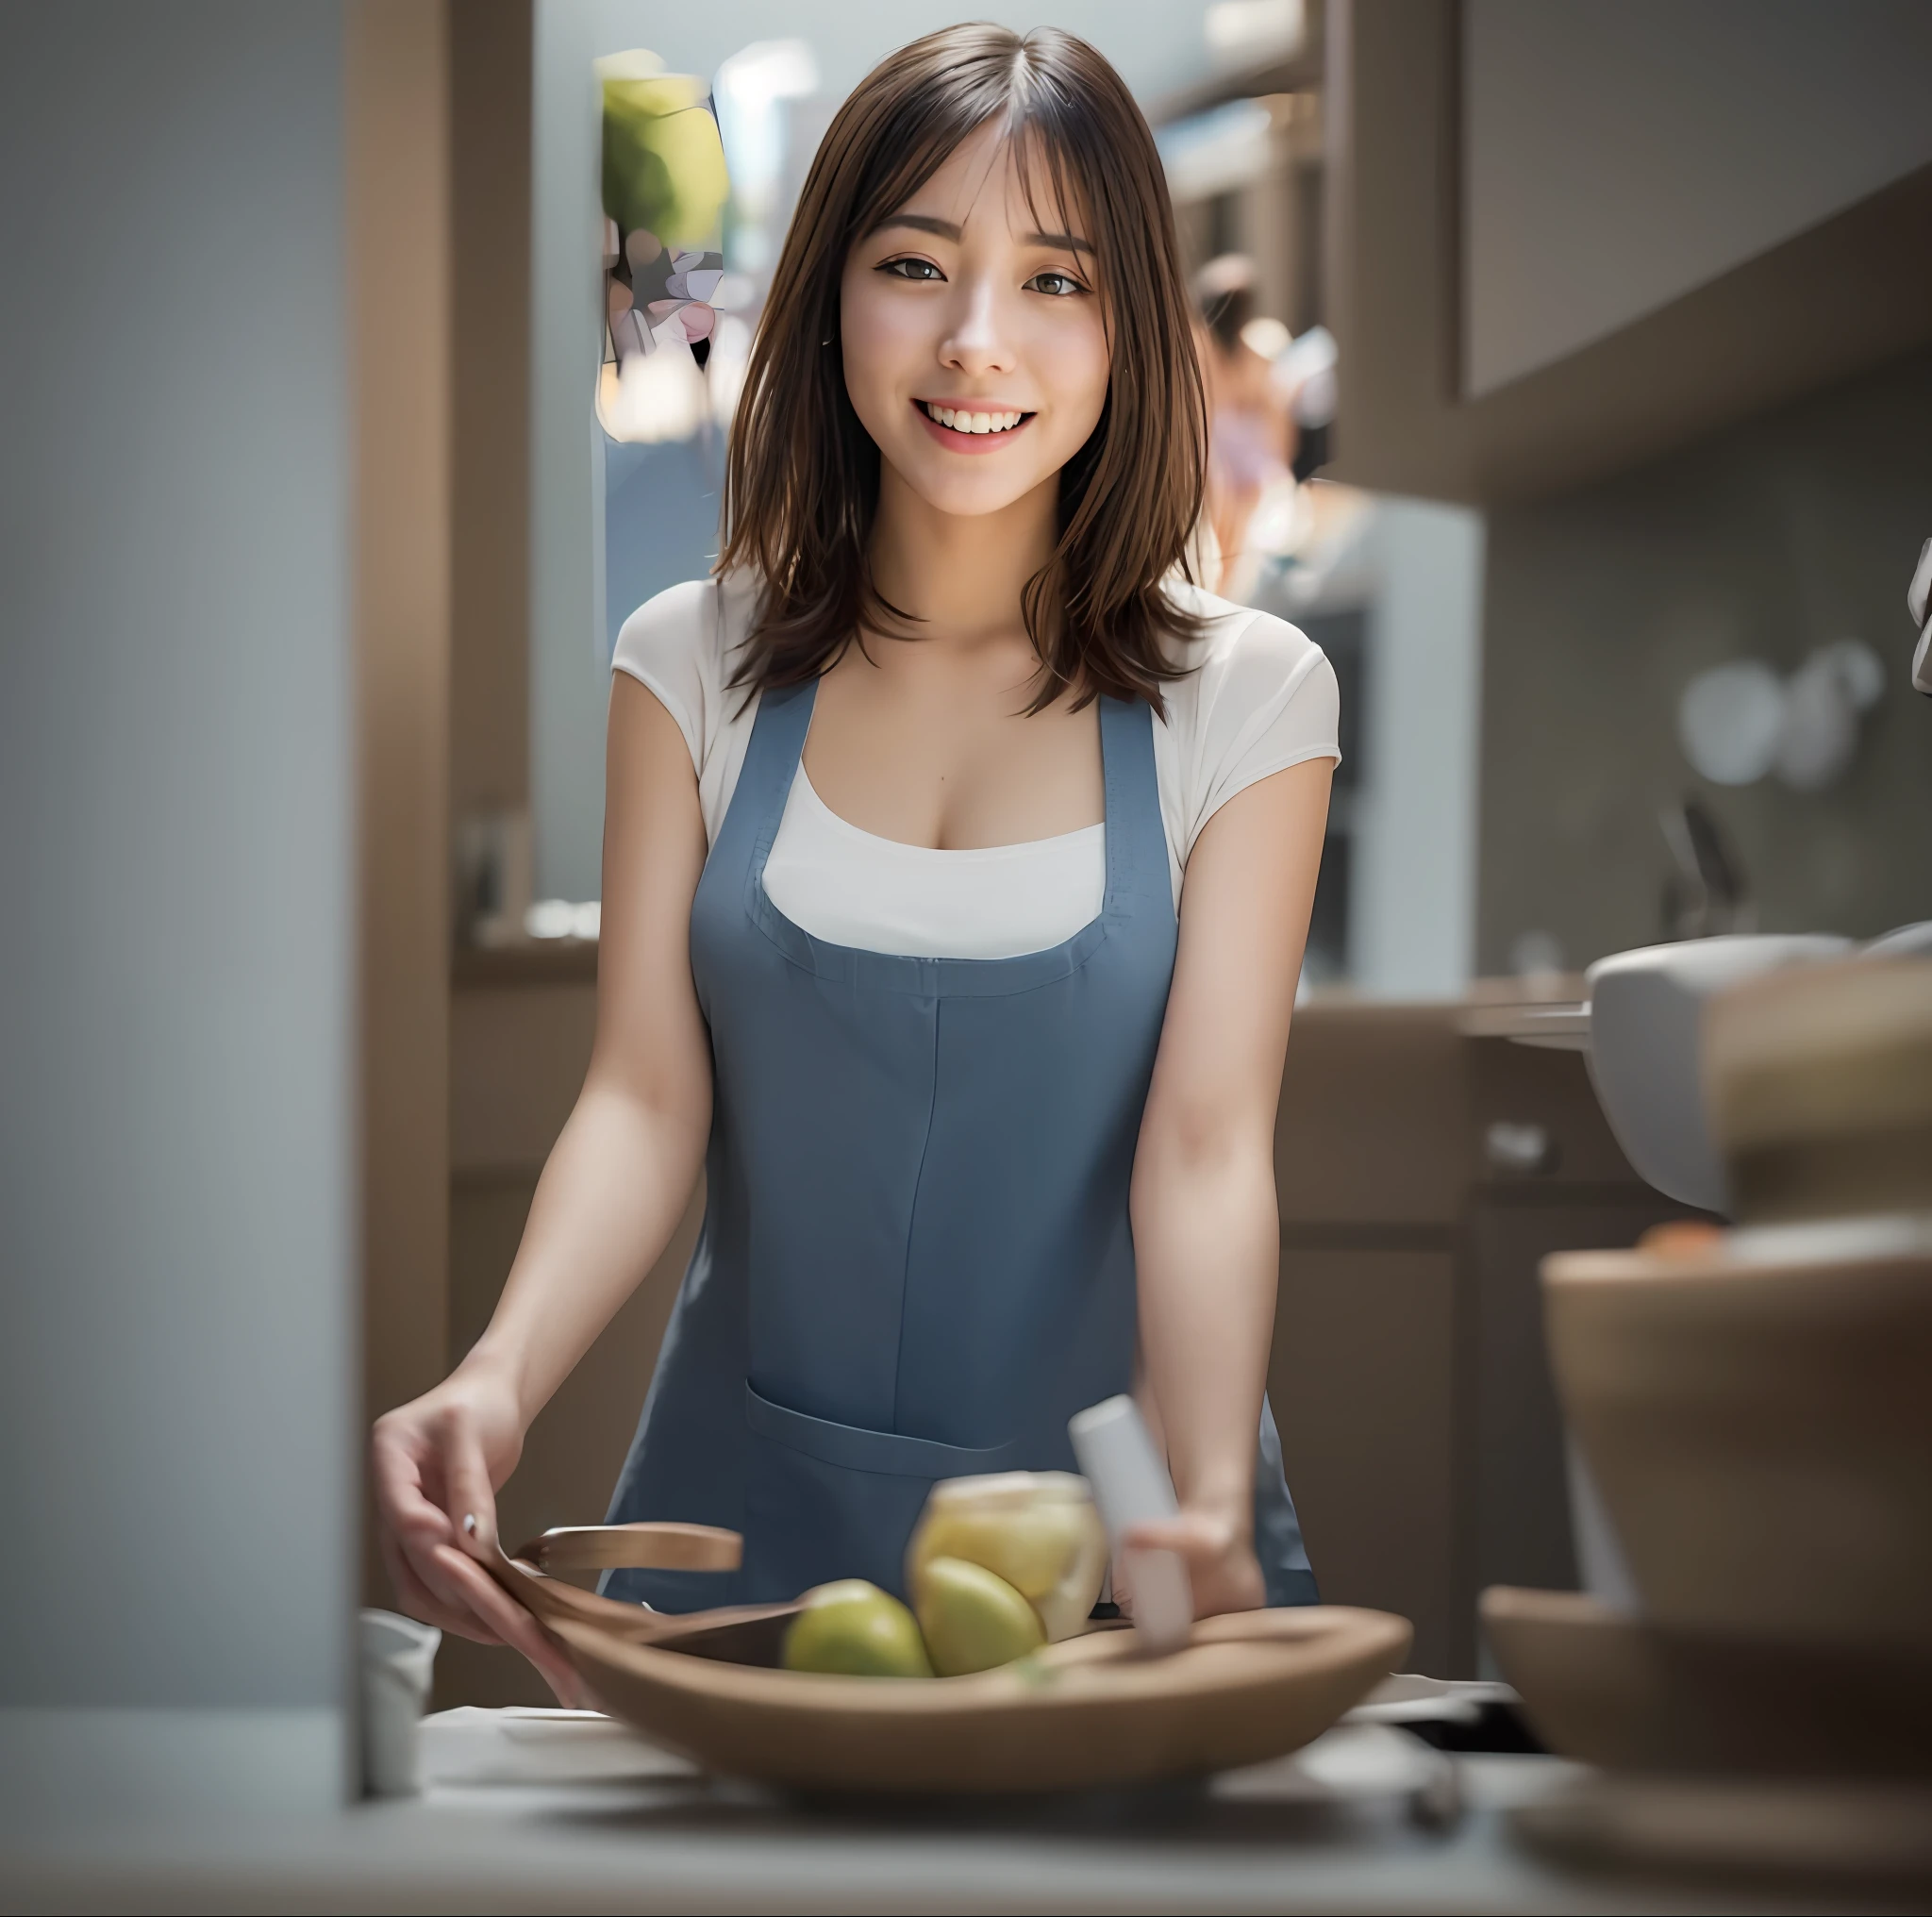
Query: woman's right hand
[438, 1463]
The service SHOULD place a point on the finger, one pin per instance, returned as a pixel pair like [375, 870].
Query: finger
[512, 1624]
[566, 1687]
[441, 1568]
[399, 1491]
[472, 1497]
[417, 1600]
[1164, 1534]
[412, 1533]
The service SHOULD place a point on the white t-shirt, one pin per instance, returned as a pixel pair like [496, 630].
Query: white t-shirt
[1260, 697]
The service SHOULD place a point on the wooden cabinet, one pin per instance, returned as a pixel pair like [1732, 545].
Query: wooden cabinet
[1848, 292]
[1419, 1426]
[1363, 1394]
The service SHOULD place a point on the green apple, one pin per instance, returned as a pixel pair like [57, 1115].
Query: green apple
[854, 1630]
[972, 1619]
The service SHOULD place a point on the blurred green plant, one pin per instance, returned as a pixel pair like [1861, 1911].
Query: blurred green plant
[663, 161]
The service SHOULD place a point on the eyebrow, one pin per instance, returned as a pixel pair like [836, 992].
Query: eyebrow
[947, 229]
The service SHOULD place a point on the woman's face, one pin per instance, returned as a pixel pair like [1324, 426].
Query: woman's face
[974, 343]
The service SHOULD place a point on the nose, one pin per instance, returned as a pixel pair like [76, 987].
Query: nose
[975, 342]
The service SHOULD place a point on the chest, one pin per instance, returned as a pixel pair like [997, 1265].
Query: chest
[944, 755]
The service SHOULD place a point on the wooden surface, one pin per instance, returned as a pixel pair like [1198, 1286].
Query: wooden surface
[518, 1055]
[491, 89]
[529, 961]
[1364, 1389]
[397, 114]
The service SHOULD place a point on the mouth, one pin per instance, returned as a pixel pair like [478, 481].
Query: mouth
[969, 428]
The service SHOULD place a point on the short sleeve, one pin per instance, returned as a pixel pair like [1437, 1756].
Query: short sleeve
[1261, 697]
[670, 643]
[680, 645]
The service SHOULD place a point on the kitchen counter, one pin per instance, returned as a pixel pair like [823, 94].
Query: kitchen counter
[637, 1829]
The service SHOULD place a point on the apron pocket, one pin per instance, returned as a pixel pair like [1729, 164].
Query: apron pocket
[825, 1501]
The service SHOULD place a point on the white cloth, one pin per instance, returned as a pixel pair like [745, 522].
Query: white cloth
[1260, 697]
[852, 888]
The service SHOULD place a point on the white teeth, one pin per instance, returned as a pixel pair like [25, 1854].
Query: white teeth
[962, 421]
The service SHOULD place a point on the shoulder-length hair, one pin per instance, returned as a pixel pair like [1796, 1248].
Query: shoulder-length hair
[802, 481]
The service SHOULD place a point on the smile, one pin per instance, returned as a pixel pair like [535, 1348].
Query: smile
[963, 422]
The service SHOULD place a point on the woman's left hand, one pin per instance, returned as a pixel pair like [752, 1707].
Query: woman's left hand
[1218, 1552]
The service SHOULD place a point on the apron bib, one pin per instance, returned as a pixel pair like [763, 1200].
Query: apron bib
[915, 1261]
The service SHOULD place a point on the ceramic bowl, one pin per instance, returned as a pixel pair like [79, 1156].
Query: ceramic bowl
[1760, 1428]
[1645, 1013]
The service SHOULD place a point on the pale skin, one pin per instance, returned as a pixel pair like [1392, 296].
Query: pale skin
[966, 299]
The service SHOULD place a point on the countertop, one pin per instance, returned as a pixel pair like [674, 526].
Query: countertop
[505, 1825]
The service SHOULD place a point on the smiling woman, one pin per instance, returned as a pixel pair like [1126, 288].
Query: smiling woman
[894, 940]
[999, 199]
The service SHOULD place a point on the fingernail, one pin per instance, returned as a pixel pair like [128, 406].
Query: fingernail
[470, 1522]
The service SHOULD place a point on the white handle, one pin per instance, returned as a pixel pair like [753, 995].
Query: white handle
[1131, 1487]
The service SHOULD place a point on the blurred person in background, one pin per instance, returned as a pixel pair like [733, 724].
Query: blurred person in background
[1257, 378]
[1251, 434]
[896, 946]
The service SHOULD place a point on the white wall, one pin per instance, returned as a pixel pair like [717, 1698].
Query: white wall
[1620, 153]
[175, 862]
[1412, 906]
[1157, 45]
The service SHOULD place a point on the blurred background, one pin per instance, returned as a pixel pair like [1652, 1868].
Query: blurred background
[1571, 365]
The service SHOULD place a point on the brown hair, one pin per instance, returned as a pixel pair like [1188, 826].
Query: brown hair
[802, 477]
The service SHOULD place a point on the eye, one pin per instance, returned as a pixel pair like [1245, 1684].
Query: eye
[922, 271]
[1055, 284]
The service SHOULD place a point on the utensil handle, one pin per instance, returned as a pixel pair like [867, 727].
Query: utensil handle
[596, 1547]
[1131, 1487]
[634, 1547]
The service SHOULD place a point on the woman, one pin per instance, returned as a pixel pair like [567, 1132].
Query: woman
[898, 815]
[1251, 434]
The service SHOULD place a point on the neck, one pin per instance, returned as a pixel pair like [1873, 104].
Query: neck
[961, 576]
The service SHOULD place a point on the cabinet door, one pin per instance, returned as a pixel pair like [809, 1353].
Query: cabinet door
[1521, 1497]
[1362, 1386]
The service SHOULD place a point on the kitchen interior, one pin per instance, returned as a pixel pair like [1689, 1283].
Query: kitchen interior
[1606, 329]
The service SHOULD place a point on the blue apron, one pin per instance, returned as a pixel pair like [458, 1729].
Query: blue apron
[915, 1261]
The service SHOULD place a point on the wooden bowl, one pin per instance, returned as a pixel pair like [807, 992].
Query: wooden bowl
[1760, 1426]
[1613, 1689]
[1818, 1081]
[1088, 1711]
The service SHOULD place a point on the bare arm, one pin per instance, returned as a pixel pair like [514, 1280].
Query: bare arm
[611, 1193]
[1206, 1233]
[622, 1170]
